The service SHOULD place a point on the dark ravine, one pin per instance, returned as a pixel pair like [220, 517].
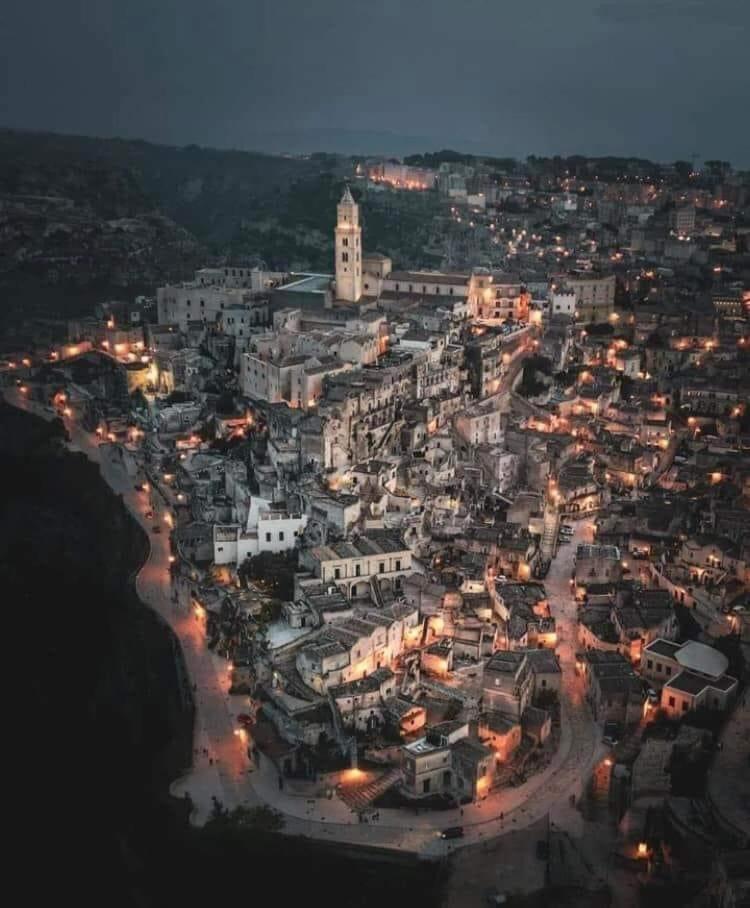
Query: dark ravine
[106, 718]
[107, 707]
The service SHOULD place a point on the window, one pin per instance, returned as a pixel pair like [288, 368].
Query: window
[426, 786]
[398, 564]
[381, 568]
[650, 663]
[221, 548]
[281, 536]
[345, 241]
[684, 706]
[357, 570]
[658, 666]
[671, 701]
[544, 682]
[337, 573]
[668, 670]
[268, 537]
[344, 256]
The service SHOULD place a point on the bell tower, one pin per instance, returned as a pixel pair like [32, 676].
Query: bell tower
[348, 250]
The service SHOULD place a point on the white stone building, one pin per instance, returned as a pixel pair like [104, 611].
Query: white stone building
[267, 529]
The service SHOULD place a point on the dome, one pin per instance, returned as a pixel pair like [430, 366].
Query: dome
[697, 657]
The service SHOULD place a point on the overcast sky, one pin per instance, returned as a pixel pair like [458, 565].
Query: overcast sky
[657, 78]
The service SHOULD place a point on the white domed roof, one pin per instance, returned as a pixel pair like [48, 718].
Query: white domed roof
[698, 657]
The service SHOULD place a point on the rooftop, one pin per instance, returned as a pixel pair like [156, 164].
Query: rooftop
[704, 659]
[661, 647]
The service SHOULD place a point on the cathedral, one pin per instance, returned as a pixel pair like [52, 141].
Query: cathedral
[363, 281]
[348, 250]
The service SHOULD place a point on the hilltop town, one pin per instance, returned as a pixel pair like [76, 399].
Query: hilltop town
[452, 548]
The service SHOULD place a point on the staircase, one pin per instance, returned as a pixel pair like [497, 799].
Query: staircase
[377, 595]
[345, 742]
[386, 436]
[361, 796]
[549, 536]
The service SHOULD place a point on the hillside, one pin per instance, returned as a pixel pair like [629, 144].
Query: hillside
[207, 191]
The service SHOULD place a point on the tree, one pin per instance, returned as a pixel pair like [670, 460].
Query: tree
[138, 400]
[683, 169]
[731, 647]
[225, 403]
[274, 572]
[257, 819]
[270, 611]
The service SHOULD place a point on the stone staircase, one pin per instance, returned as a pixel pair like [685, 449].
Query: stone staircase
[549, 536]
[361, 796]
[377, 594]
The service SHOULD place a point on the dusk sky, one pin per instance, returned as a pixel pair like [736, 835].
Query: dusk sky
[656, 78]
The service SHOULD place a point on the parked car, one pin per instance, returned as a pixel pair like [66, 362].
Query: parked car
[566, 528]
[452, 832]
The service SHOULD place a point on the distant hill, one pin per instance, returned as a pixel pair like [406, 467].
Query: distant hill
[205, 190]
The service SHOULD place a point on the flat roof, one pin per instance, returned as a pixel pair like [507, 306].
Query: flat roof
[661, 647]
[307, 283]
